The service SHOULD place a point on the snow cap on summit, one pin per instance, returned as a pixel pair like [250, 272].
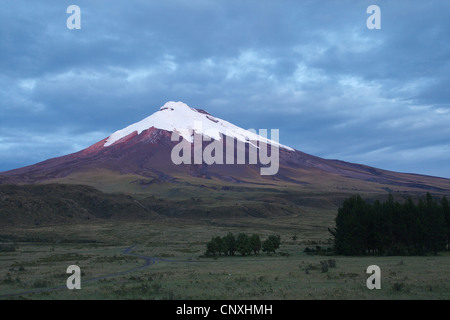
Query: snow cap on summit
[182, 118]
[172, 105]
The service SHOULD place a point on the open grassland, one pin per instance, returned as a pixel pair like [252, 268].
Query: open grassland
[42, 255]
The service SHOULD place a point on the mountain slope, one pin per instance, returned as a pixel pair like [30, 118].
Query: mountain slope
[53, 204]
[137, 159]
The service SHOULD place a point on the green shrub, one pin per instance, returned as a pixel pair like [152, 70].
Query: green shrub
[323, 266]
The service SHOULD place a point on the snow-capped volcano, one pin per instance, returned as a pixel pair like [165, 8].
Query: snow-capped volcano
[141, 155]
[178, 116]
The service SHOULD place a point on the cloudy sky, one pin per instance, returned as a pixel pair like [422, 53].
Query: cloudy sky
[312, 69]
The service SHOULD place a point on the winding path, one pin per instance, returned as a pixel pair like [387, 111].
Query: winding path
[149, 261]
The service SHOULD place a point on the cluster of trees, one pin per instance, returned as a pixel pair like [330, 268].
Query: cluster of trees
[243, 244]
[391, 227]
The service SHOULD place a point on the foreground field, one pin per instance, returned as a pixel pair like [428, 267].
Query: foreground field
[178, 270]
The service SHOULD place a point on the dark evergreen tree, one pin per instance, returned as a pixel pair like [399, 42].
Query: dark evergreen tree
[255, 243]
[392, 228]
[271, 244]
[221, 246]
[446, 211]
[212, 247]
[350, 231]
[230, 243]
[276, 240]
[268, 246]
[434, 226]
[243, 244]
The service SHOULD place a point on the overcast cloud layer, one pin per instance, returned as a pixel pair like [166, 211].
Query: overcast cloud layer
[312, 69]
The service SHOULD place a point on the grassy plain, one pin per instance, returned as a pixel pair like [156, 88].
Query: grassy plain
[42, 255]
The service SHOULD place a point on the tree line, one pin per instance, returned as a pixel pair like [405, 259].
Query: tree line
[392, 227]
[243, 244]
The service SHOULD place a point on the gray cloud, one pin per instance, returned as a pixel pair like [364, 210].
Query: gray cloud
[312, 69]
